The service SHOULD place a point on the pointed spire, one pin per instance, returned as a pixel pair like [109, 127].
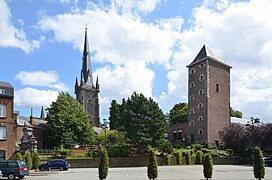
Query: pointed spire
[97, 84]
[76, 85]
[82, 79]
[42, 114]
[86, 62]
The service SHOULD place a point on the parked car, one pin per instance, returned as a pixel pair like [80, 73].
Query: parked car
[1, 175]
[60, 164]
[268, 161]
[14, 168]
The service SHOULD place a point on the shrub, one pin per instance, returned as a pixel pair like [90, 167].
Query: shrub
[152, 168]
[93, 153]
[64, 153]
[103, 168]
[166, 159]
[188, 158]
[178, 157]
[197, 146]
[230, 152]
[35, 160]
[205, 151]
[214, 152]
[166, 147]
[183, 153]
[77, 156]
[191, 152]
[247, 152]
[56, 155]
[18, 156]
[208, 166]
[259, 169]
[177, 146]
[118, 151]
[28, 160]
[199, 155]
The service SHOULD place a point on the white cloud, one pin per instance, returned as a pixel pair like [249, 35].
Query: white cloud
[121, 81]
[34, 98]
[10, 36]
[40, 78]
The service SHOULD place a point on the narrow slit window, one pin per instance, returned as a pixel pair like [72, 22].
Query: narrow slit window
[217, 88]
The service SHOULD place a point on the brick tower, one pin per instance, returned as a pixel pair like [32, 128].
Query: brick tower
[87, 92]
[208, 97]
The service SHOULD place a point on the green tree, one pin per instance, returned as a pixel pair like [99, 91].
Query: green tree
[208, 166]
[18, 156]
[234, 113]
[259, 169]
[35, 160]
[199, 155]
[103, 168]
[143, 121]
[115, 116]
[179, 113]
[114, 137]
[152, 168]
[28, 159]
[68, 124]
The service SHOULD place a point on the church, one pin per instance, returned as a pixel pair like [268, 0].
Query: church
[86, 91]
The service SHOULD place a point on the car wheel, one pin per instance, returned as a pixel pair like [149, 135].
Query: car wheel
[11, 176]
[61, 168]
[21, 177]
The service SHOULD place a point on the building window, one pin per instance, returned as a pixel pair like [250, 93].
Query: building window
[200, 106]
[3, 110]
[192, 111]
[192, 84]
[192, 123]
[201, 91]
[192, 71]
[201, 77]
[2, 156]
[179, 135]
[200, 118]
[175, 136]
[192, 97]
[201, 65]
[2, 91]
[200, 131]
[3, 133]
[217, 88]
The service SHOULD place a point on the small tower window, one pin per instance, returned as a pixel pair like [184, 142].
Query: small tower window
[2, 91]
[201, 91]
[192, 123]
[201, 65]
[192, 84]
[192, 97]
[192, 111]
[3, 110]
[200, 118]
[201, 77]
[192, 71]
[217, 88]
[200, 106]
[200, 131]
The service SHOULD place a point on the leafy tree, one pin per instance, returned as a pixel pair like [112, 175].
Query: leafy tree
[68, 124]
[235, 137]
[259, 169]
[103, 168]
[152, 168]
[234, 113]
[35, 160]
[179, 113]
[199, 155]
[166, 147]
[143, 121]
[18, 156]
[113, 137]
[208, 166]
[28, 159]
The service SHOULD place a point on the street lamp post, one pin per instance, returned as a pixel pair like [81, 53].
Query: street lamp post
[104, 126]
[253, 121]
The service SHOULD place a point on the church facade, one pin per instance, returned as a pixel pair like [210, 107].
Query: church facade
[86, 91]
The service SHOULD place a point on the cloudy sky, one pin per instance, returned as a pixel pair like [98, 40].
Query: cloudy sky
[137, 45]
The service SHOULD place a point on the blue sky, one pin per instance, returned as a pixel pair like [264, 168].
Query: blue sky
[137, 45]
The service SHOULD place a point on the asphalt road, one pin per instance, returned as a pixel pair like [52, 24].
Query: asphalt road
[194, 172]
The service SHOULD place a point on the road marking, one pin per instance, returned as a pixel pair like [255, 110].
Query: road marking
[128, 171]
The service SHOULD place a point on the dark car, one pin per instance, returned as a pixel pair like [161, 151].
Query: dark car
[13, 169]
[268, 161]
[60, 164]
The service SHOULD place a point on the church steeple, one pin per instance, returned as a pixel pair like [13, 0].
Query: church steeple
[86, 62]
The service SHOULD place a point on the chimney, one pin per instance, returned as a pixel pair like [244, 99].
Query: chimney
[31, 118]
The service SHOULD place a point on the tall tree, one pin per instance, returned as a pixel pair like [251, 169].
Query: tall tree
[179, 113]
[234, 113]
[68, 124]
[259, 170]
[142, 120]
[115, 119]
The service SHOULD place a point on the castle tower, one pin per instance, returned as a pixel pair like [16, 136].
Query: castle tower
[208, 97]
[86, 92]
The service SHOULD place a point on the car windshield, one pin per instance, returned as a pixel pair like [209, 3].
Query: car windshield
[22, 164]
